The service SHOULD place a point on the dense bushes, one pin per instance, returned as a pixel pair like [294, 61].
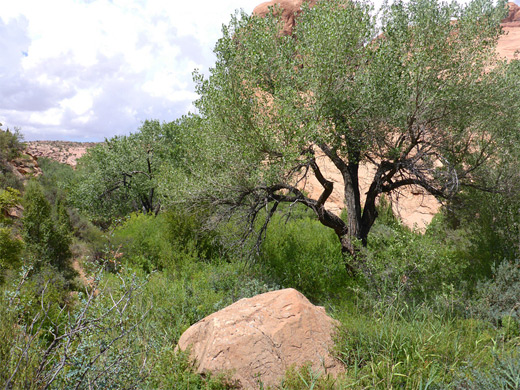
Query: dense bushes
[47, 236]
[436, 310]
[169, 241]
[418, 265]
[11, 246]
[302, 254]
[498, 299]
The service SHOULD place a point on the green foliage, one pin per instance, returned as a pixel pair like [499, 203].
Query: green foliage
[492, 219]
[302, 254]
[121, 175]
[503, 375]
[265, 111]
[170, 241]
[419, 103]
[413, 347]
[499, 298]
[56, 179]
[47, 239]
[9, 180]
[10, 250]
[69, 343]
[174, 370]
[415, 265]
[8, 198]
[10, 144]
[305, 377]
[11, 247]
[11, 147]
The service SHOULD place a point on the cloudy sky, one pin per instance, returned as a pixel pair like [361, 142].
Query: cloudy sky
[83, 70]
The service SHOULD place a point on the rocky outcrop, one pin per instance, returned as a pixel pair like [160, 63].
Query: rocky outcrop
[514, 14]
[259, 338]
[289, 8]
[25, 167]
[61, 151]
[509, 42]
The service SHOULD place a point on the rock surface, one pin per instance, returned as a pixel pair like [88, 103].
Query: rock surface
[509, 43]
[259, 338]
[290, 10]
[62, 151]
[514, 14]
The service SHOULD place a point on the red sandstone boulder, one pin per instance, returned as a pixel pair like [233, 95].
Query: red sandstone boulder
[259, 338]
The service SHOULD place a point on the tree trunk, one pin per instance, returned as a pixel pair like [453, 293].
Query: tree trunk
[359, 221]
[353, 204]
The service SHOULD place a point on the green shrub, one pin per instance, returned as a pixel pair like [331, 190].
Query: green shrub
[503, 375]
[56, 179]
[8, 198]
[11, 147]
[70, 341]
[47, 239]
[11, 249]
[10, 144]
[9, 180]
[170, 240]
[175, 370]
[415, 265]
[303, 254]
[499, 297]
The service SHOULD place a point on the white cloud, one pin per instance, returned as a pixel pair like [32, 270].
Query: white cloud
[89, 69]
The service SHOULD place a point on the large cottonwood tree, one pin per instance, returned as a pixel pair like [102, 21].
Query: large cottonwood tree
[418, 92]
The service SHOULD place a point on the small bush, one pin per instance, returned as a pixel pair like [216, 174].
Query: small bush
[504, 375]
[11, 249]
[47, 239]
[415, 265]
[499, 297]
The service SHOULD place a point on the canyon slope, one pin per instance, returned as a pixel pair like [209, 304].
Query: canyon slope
[61, 151]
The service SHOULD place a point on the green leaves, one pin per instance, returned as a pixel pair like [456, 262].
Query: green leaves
[120, 175]
[415, 94]
[46, 237]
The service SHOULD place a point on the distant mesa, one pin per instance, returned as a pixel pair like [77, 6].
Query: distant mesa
[509, 43]
[61, 151]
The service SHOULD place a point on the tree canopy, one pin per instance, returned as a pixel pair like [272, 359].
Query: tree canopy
[418, 92]
[120, 175]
